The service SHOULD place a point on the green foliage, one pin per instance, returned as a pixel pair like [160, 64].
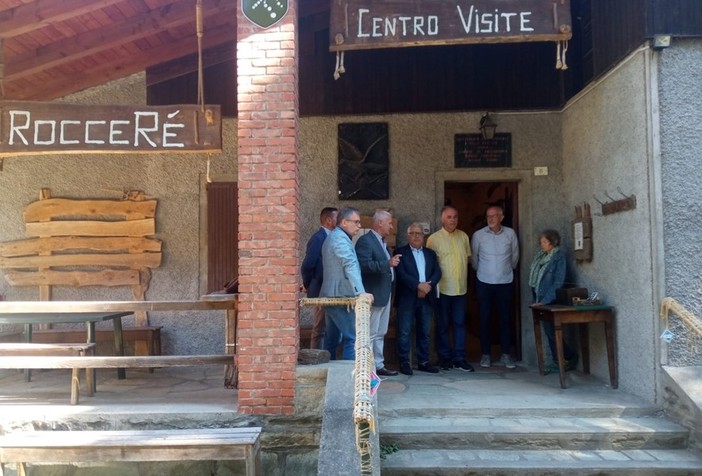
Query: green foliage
[386, 450]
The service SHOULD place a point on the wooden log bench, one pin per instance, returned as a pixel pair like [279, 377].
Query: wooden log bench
[212, 444]
[100, 362]
[16, 353]
[148, 336]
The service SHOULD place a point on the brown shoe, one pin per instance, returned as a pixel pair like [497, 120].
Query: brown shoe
[386, 372]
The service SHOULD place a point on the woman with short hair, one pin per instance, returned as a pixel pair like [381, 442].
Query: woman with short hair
[546, 274]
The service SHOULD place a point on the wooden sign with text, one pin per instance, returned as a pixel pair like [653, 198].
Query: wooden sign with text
[367, 24]
[29, 128]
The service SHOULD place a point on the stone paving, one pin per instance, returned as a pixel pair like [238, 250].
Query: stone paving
[499, 421]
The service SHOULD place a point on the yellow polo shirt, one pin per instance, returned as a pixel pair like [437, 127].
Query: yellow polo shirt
[453, 251]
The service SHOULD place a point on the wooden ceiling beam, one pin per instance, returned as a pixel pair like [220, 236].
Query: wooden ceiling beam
[103, 39]
[38, 14]
[115, 70]
[188, 64]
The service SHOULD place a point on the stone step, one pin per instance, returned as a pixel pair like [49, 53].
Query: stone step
[533, 433]
[433, 462]
[471, 410]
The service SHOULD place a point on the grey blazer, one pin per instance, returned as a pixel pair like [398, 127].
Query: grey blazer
[342, 273]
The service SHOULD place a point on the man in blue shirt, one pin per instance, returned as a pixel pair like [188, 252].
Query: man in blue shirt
[495, 256]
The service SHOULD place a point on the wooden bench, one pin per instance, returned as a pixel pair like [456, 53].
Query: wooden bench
[100, 362]
[213, 444]
[17, 353]
[149, 337]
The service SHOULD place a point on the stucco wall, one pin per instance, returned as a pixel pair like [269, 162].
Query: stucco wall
[680, 90]
[606, 149]
[174, 180]
[421, 156]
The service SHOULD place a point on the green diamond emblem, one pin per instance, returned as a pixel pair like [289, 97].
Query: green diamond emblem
[264, 13]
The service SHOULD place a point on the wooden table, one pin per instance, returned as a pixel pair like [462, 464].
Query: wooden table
[29, 318]
[583, 315]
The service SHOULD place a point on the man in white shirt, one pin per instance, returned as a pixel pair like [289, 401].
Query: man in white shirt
[495, 256]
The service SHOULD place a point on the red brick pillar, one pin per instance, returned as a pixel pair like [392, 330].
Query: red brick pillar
[269, 234]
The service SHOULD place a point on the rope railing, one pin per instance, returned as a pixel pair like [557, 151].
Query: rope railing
[363, 411]
[692, 323]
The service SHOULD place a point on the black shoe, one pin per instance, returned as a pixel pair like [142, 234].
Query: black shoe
[406, 368]
[427, 367]
[463, 365]
[446, 364]
[386, 372]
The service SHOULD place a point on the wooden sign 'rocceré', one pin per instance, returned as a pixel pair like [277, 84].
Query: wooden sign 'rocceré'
[367, 24]
[31, 128]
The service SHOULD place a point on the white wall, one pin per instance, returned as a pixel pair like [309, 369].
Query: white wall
[605, 149]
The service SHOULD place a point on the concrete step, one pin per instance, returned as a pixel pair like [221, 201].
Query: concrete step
[577, 410]
[433, 462]
[533, 433]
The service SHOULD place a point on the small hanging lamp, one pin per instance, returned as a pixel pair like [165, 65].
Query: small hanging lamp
[487, 127]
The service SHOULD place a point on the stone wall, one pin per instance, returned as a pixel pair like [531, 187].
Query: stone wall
[680, 70]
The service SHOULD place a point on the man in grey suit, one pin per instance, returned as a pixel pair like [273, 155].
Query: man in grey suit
[378, 275]
[342, 278]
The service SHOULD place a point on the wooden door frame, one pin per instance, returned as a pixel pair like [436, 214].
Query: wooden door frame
[203, 224]
[525, 231]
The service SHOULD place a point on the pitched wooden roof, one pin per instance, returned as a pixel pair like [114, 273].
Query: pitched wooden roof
[51, 48]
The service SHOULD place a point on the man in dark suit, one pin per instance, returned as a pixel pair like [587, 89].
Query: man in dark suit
[417, 276]
[312, 272]
[377, 273]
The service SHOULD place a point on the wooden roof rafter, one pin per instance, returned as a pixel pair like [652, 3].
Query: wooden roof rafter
[52, 49]
[95, 41]
[32, 16]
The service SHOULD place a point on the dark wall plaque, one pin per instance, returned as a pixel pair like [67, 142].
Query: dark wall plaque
[471, 150]
[363, 161]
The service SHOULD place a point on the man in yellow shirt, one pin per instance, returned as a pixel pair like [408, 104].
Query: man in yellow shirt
[452, 247]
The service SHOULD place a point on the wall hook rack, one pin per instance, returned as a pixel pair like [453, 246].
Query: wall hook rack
[620, 205]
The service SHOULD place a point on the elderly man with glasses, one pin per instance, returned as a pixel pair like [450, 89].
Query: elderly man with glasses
[417, 276]
[377, 272]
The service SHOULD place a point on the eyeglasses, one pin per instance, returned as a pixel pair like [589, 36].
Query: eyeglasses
[415, 233]
[356, 222]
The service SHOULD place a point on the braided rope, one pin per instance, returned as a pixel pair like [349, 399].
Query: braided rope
[692, 323]
[363, 411]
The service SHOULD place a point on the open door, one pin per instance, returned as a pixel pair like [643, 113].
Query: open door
[471, 200]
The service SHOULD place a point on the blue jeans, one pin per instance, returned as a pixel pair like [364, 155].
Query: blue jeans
[408, 314]
[452, 311]
[341, 325]
[550, 332]
[501, 295]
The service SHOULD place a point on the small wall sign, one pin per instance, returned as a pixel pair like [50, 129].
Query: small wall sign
[472, 150]
[264, 13]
